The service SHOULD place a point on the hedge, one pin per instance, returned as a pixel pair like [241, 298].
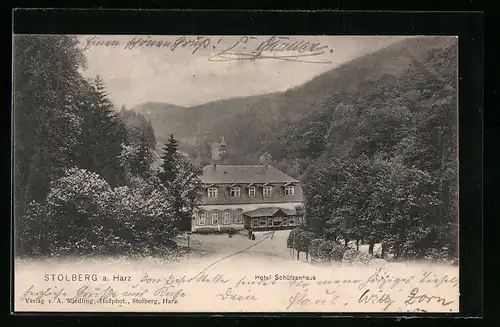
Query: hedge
[210, 230]
[326, 250]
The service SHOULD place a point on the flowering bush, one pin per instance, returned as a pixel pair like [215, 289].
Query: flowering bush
[82, 214]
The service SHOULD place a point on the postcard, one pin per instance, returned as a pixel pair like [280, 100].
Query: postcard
[247, 173]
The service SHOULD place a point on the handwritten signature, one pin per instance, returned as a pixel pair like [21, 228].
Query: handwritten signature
[415, 297]
[246, 48]
[302, 298]
[302, 51]
[232, 295]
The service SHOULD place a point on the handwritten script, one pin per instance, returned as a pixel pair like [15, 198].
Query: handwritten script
[325, 290]
[244, 48]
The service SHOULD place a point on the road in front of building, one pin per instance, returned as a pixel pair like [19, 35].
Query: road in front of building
[264, 245]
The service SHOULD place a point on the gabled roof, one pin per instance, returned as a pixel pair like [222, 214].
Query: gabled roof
[223, 174]
[264, 212]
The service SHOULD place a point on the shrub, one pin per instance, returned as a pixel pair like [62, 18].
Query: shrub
[82, 214]
[326, 250]
[212, 230]
[337, 252]
[352, 256]
[77, 213]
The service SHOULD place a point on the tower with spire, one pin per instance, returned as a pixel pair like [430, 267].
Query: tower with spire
[219, 152]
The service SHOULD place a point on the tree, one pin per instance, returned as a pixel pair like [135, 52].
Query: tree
[169, 160]
[46, 98]
[300, 240]
[182, 179]
[70, 196]
[408, 200]
[137, 159]
[138, 127]
[104, 134]
[186, 189]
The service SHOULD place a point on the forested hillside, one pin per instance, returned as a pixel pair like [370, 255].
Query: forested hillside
[165, 118]
[84, 180]
[379, 162]
[139, 128]
[257, 124]
[374, 142]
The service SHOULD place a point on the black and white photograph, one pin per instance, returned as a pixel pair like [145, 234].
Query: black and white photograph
[223, 173]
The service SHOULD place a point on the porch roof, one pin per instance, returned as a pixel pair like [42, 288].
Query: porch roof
[267, 212]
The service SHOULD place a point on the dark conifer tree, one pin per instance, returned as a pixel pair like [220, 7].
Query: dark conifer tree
[183, 180]
[169, 160]
[141, 164]
[103, 135]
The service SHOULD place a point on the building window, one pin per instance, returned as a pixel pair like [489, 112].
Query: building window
[285, 221]
[227, 217]
[235, 192]
[291, 221]
[251, 191]
[239, 217]
[215, 217]
[255, 223]
[289, 190]
[268, 190]
[203, 218]
[213, 192]
[263, 222]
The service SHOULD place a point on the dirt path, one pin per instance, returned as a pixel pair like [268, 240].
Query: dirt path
[264, 244]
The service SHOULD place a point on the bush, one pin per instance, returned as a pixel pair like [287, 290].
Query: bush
[212, 230]
[326, 250]
[352, 256]
[337, 252]
[82, 214]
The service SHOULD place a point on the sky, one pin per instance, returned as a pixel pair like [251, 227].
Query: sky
[187, 71]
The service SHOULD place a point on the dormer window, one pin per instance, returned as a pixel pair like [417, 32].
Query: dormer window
[268, 190]
[251, 191]
[235, 192]
[213, 192]
[289, 190]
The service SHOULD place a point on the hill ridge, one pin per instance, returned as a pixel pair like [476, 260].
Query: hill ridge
[195, 125]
